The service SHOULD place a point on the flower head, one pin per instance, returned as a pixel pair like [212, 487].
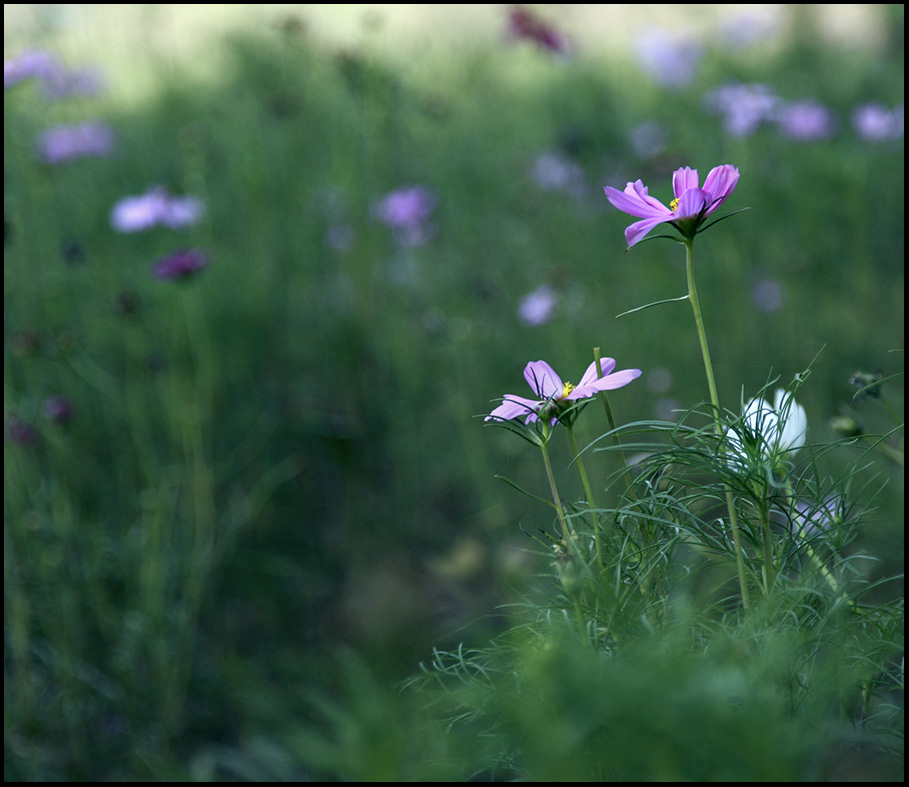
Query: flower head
[180, 264]
[873, 122]
[769, 432]
[813, 519]
[155, 208]
[538, 307]
[407, 211]
[805, 120]
[743, 107]
[525, 24]
[692, 203]
[671, 59]
[63, 143]
[555, 396]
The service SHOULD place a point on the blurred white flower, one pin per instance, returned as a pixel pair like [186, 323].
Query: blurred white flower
[768, 433]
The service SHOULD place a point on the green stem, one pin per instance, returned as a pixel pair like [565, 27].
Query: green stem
[715, 401]
[587, 491]
[566, 534]
[769, 569]
[646, 536]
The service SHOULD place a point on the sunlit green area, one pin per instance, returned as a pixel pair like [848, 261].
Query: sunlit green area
[272, 495]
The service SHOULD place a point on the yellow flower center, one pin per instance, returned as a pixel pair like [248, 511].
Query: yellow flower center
[568, 388]
[673, 205]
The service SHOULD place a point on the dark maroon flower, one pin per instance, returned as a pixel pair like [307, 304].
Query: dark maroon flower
[524, 23]
[180, 264]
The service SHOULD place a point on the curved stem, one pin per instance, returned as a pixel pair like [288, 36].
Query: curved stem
[715, 401]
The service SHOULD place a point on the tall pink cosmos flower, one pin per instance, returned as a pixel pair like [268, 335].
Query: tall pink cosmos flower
[692, 203]
[554, 396]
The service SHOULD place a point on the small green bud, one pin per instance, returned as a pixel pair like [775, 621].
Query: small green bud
[846, 425]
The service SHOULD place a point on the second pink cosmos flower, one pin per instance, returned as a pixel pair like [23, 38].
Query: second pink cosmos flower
[554, 396]
[692, 203]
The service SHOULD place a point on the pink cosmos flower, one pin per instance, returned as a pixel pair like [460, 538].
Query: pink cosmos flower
[692, 203]
[554, 396]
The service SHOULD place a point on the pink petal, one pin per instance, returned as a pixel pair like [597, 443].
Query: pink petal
[541, 377]
[591, 376]
[684, 179]
[635, 201]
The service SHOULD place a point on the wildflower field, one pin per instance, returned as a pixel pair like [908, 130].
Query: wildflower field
[471, 404]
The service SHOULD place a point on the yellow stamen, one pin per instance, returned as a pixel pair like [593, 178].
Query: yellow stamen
[568, 388]
[673, 205]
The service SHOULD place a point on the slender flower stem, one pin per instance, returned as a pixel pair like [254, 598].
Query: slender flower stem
[566, 534]
[769, 569]
[587, 491]
[715, 401]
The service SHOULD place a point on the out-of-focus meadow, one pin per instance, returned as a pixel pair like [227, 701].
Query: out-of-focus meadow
[242, 439]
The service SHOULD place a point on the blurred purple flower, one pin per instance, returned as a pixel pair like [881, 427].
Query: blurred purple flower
[180, 264]
[63, 143]
[749, 27]
[60, 81]
[538, 307]
[155, 208]
[692, 204]
[57, 80]
[406, 211]
[813, 519]
[554, 396]
[873, 122]
[20, 431]
[805, 120]
[28, 65]
[672, 60]
[57, 408]
[742, 107]
[525, 24]
[554, 172]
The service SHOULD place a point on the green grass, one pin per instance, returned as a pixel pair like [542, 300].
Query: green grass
[282, 456]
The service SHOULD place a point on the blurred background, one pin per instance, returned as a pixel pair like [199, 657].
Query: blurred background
[266, 268]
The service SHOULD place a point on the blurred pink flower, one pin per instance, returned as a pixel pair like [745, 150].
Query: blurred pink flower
[692, 203]
[742, 107]
[407, 211]
[671, 59]
[538, 307]
[155, 208]
[805, 120]
[814, 519]
[554, 396]
[180, 264]
[63, 143]
[873, 122]
[28, 65]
